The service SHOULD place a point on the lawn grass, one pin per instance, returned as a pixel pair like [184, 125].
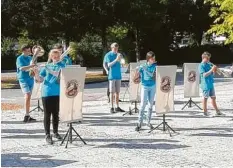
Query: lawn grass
[12, 82]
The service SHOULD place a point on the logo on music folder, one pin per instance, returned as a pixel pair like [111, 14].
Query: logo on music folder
[165, 84]
[72, 88]
[192, 76]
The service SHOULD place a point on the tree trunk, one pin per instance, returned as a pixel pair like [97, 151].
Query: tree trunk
[104, 44]
[137, 45]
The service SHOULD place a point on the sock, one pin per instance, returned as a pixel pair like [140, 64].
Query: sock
[27, 114]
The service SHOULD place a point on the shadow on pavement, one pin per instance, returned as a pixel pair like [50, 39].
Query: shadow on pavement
[27, 160]
[134, 141]
[214, 134]
[164, 146]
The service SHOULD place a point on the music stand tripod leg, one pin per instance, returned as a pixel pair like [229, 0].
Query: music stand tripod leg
[185, 105]
[79, 136]
[64, 137]
[155, 127]
[197, 105]
[68, 138]
[170, 128]
[70, 134]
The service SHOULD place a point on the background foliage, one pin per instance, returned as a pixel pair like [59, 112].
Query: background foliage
[138, 26]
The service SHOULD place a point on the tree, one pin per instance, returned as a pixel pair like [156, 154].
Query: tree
[222, 12]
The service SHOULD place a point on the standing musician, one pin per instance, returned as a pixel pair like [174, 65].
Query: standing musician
[67, 60]
[147, 74]
[50, 93]
[207, 82]
[23, 64]
[113, 59]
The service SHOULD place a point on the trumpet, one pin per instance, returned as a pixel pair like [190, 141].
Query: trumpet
[218, 71]
[37, 51]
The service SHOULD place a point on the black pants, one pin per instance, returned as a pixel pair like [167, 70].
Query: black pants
[51, 107]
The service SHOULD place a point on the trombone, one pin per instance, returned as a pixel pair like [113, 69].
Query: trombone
[219, 71]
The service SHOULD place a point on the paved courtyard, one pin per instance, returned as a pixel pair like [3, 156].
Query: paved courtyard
[111, 139]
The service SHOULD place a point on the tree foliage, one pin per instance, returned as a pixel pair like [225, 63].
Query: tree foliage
[222, 11]
[138, 25]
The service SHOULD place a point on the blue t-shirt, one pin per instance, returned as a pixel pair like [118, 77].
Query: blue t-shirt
[67, 60]
[207, 82]
[51, 85]
[115, 70]
[22, 60]
[147, 79]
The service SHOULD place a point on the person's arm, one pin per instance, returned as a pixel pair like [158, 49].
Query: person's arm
[110, 64]
[105, 66]
[151, 74]
[143, 67]
[20, 65]
[25, 68]
[39, 77]
[54, 73]
[208, 73]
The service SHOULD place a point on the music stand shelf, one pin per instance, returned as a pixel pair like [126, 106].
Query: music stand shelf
[165, 126]
[69, 135]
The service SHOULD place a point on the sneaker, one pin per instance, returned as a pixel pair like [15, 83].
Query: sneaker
[218, 113]
[48, 139]
[138, 127]
[205, 113]
[28, 119]
[57, 136]
[150, 126]
[118, 109]
[112, 110]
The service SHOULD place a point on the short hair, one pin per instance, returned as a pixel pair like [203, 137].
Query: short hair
[54, 51]
[206, 54]
[24, 47]
[114, 45]
[150, 55]
[57, 46]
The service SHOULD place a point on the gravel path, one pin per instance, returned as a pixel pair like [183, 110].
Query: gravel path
[111, 139]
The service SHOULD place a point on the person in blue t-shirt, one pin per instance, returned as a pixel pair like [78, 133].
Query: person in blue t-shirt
[66, 59]
[50, 93]
[147, 73]
[24, 64]
[207, 71]
[113, 59]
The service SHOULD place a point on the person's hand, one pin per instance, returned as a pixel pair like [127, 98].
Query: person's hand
[214, 68]
[118, 57]
[33, 65]
[35, 70]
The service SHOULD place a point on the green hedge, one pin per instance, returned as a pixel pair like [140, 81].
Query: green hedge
[220, 55]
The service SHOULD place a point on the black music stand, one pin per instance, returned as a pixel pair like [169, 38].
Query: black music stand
[165, 125]
[189, 104]
[69, 135]
[38, 107]
[135, 109]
